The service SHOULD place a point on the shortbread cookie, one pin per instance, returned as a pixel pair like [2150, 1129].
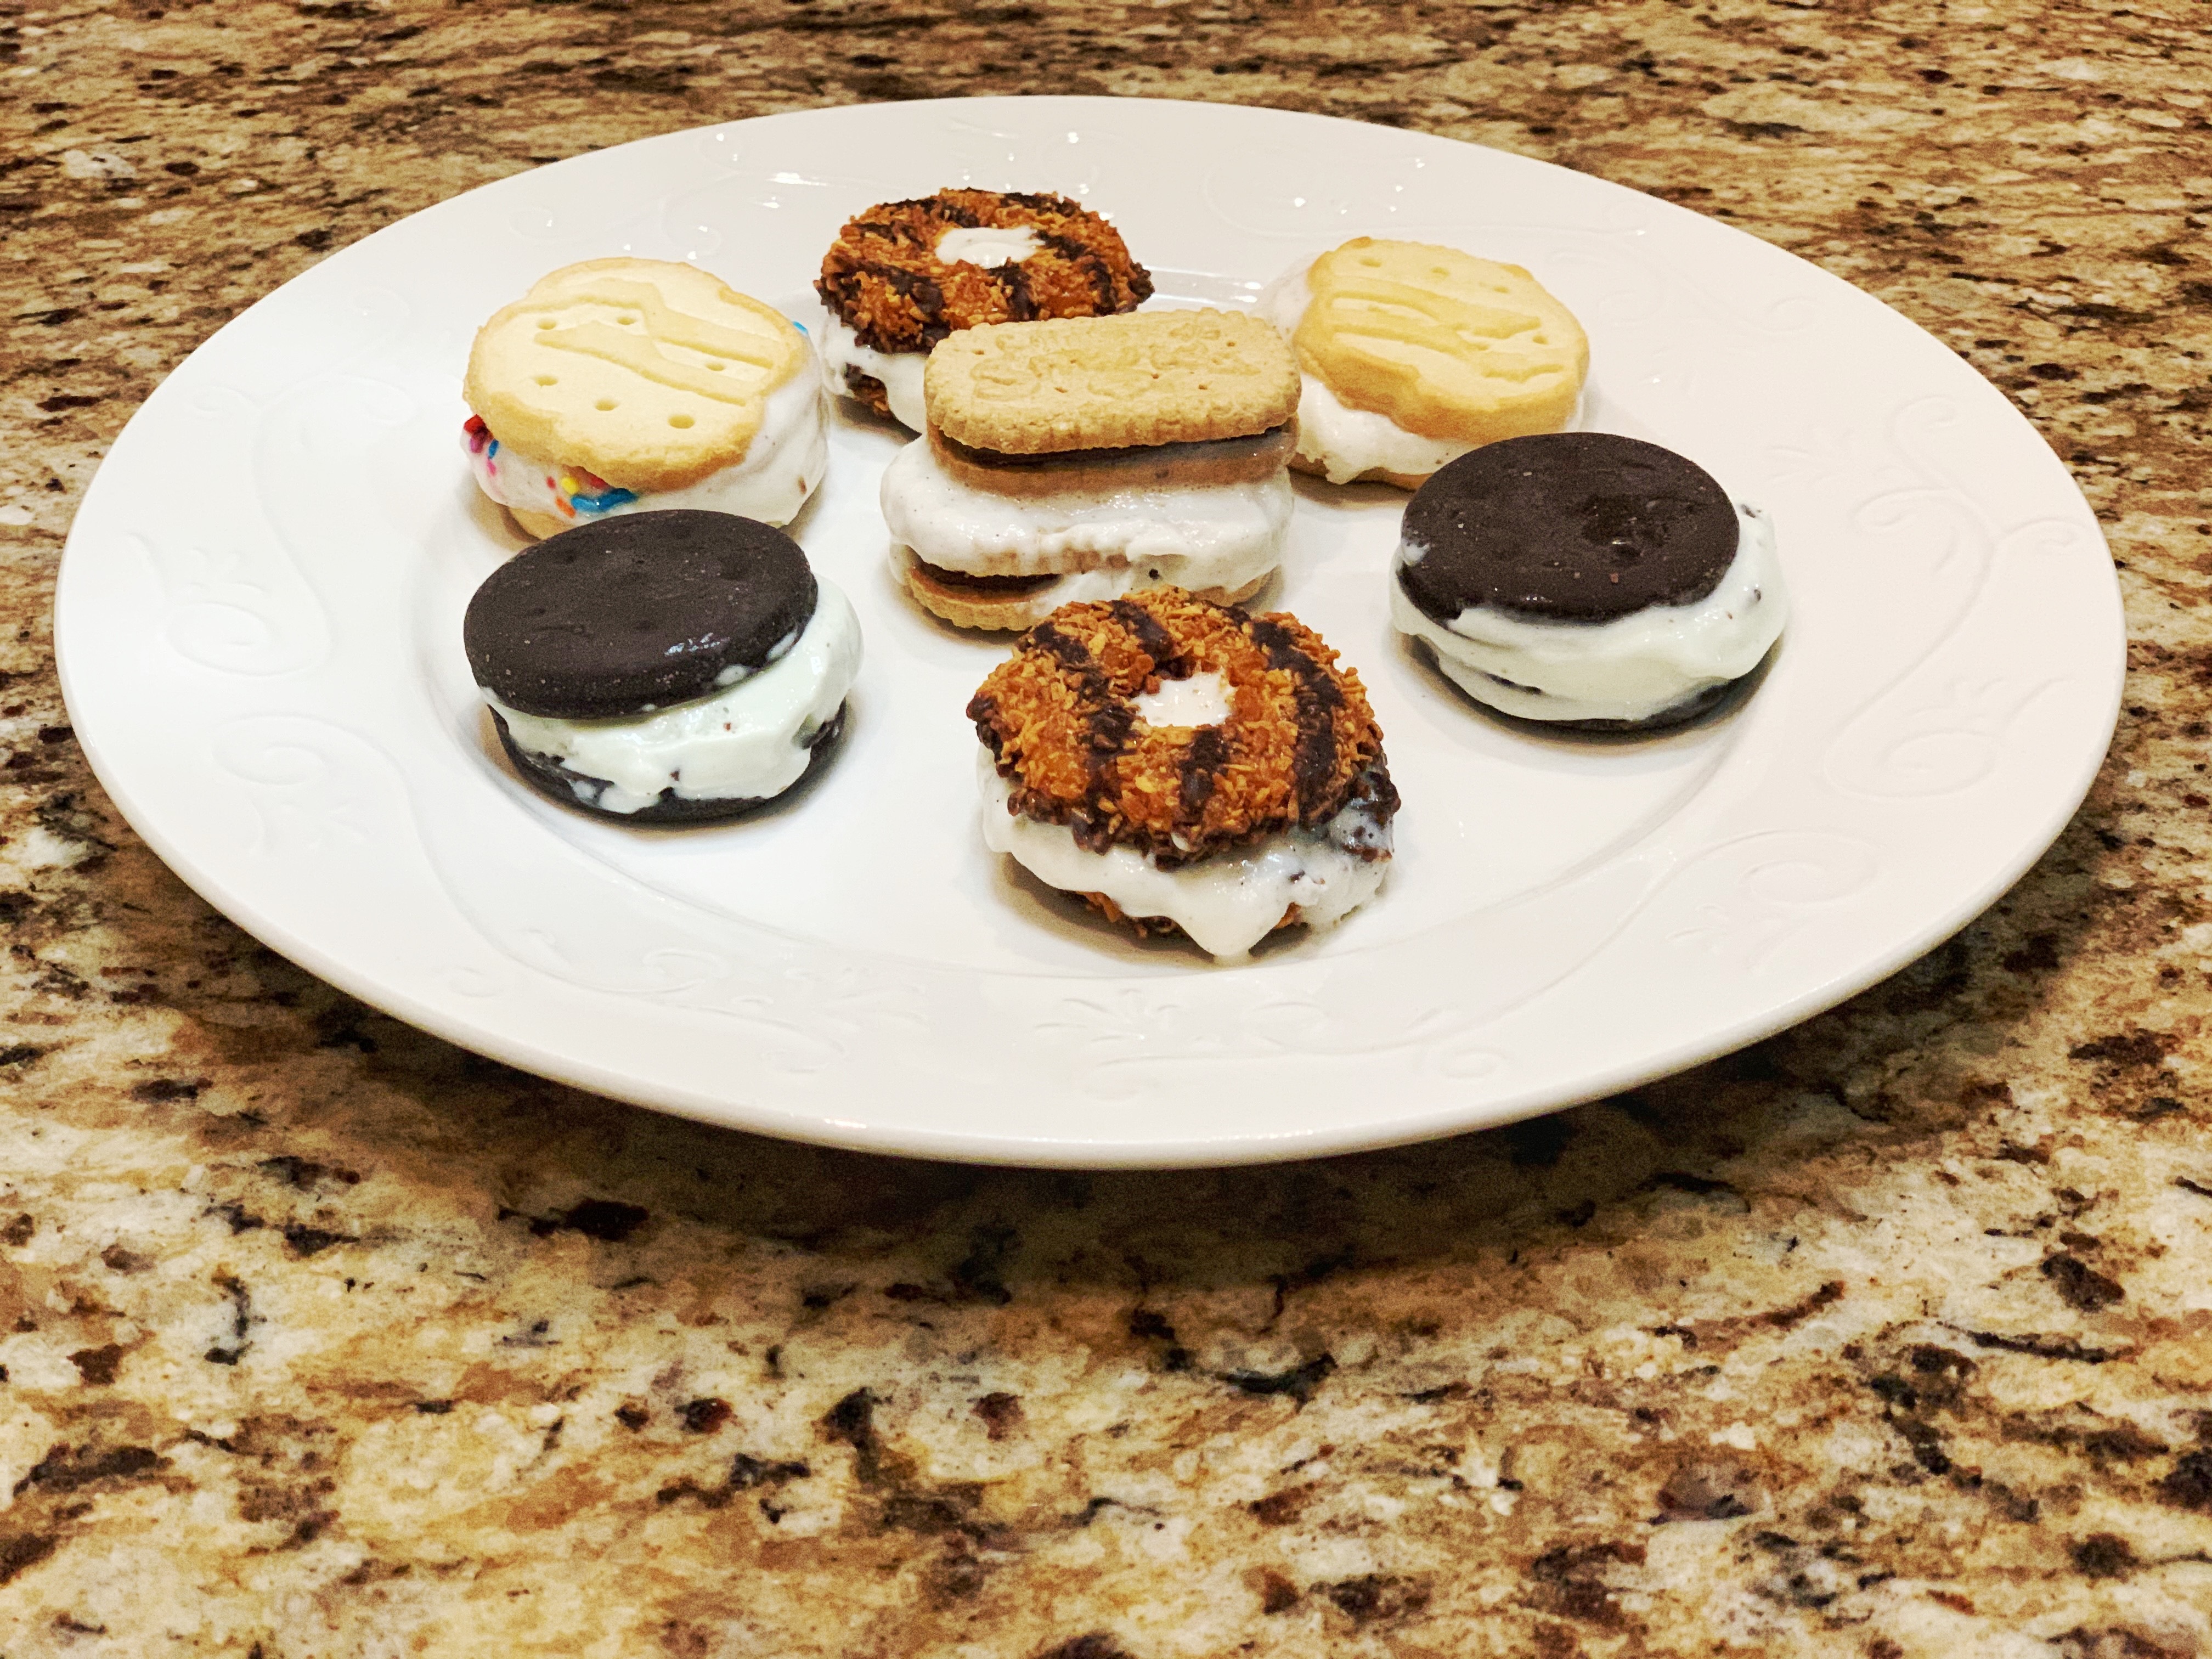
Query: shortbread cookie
[1589, 581]
[1159, 377]
[1128, 453]
[1186, 766]
[622, 385]
[663, 667]
[1412, 355]
[904, 275]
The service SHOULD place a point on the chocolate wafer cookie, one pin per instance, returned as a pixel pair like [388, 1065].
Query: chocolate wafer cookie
[663, 667]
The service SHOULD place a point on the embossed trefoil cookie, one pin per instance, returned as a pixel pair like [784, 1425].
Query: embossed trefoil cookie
[628, 386]
[1086, 459]
[1412, 355]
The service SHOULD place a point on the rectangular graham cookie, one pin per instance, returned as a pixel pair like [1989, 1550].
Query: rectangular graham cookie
[1145, 378]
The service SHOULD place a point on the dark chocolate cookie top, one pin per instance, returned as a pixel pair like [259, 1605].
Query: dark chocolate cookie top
[636, 612]
[1568, 526]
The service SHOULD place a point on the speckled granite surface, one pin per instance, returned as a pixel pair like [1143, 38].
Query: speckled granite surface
[1887, 1338]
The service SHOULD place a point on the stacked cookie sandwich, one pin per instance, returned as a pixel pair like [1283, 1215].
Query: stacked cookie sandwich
[1086, 458]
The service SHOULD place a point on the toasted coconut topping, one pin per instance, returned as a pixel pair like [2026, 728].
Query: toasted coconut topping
[883, 278]
[1061, 717]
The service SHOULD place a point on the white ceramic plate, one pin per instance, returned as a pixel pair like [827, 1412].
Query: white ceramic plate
[258, 627]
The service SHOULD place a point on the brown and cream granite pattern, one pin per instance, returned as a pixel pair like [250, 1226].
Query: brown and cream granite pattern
[1891, 1337]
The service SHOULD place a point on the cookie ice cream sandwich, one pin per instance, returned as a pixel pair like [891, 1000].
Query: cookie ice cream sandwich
[634, 386]
[663, 667]
[1086, 458]
[1412, 355]
[904, 275]
[1186, 767]
[1589, 581]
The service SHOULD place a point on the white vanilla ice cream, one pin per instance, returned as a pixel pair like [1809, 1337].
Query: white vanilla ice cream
[771, 482]
[1227, 902]
[1105, 542]
[1630, 668]
[747, 740]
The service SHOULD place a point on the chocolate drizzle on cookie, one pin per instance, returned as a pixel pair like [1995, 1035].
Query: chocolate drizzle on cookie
[915, 322]
[1567, 526]
[1314, 757]
[1011, 280]
[1060, 720]
[1153, 640]
[884, 280]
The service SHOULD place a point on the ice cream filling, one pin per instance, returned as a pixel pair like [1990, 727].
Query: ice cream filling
[1228, 902]
[748, 741]
[1206, 536]
[988, 245]
[770, 481]
[1631, 668]
[1196, 700]
[899, 372]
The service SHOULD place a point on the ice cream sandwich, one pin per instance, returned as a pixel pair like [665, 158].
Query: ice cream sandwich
[630, 385]
[1588, 580]
[1086, 457]
[675, 667]
[904, 275]
[1412, 355]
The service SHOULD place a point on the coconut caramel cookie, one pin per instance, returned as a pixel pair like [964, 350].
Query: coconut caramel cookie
[1186, 766]
[624, 386]
[1087, 458]
[904, 275]
[1412, 355]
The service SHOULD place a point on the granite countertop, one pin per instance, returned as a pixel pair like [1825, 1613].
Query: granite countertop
[1887, 1337]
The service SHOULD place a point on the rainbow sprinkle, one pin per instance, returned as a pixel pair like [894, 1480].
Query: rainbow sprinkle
[588, 493]
[575, 490]
[481, 442]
